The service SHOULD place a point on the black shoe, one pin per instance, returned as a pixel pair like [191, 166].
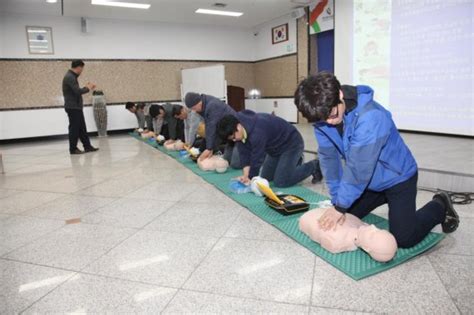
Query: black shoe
[76, 151]
[451, 222]
[317, 175]
[91, 149]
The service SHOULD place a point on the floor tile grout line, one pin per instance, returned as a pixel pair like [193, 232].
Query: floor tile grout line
[312, 281]
[109, 250]
[209, 252]
[173, 203]
[36, 264]
[48, 293]
[32, 241]
[68, 195]
[127, 193]
[444, 286]
[80, 271]
[244, 297]
[147, 283]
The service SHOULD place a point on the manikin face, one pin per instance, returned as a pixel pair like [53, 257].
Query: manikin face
[238, 135]
[379, 244]
[337, 113]
[198, 107]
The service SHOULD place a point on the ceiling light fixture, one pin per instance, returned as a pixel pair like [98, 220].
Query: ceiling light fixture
[51, 1]
[121, 4]
[219, 12]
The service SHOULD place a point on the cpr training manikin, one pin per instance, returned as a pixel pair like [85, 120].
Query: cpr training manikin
[352, 234]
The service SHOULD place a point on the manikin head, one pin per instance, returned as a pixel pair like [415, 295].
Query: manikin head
[379, 244]
[77, 66]
[215, 162]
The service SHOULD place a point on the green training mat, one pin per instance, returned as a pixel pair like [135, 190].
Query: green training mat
[356, 264]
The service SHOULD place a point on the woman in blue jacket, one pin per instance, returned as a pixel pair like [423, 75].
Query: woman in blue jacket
[365, 161]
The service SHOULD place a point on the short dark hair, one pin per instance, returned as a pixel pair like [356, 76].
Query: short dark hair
[129, 105]
[77, 63]
[177, 110]
[317, 95]
[155, 110]
[227, 126]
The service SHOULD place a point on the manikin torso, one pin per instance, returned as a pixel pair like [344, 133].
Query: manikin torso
[352, 234]
[174, 145]
[214, 163]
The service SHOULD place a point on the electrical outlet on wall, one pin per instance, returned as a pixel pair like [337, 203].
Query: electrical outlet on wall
[275, 104]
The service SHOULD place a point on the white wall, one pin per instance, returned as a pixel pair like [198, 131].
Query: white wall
[54, 121]
[263, 47]
[281, 107]
[122, 39]
[2, 36]
[343, 33]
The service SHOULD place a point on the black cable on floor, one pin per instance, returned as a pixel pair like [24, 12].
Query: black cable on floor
[458, 198]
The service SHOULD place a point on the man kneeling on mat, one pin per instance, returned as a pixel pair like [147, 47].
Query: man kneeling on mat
[365, 161]
[165, 123]
[269, 142]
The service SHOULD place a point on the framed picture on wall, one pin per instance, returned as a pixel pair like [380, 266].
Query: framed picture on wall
[279, 34]
[40, 40]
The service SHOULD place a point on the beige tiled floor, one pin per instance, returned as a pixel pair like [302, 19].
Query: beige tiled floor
[156, 238]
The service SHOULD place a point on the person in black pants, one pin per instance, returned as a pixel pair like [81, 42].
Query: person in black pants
[365, 161]
[73, 105]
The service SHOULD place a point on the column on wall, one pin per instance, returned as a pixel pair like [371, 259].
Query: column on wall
[302, 33]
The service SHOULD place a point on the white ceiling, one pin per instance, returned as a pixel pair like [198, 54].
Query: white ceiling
[178, 11]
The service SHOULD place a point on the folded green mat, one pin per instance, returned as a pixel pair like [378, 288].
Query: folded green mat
[356, 264]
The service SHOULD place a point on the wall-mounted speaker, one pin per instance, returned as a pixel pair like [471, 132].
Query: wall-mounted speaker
[297, 13]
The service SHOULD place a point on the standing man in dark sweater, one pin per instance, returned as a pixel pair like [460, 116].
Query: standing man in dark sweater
[212, 110]
[270, 142]
[73, 105]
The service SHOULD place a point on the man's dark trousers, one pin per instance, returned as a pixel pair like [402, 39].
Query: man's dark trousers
[77, 129]
[408, 225]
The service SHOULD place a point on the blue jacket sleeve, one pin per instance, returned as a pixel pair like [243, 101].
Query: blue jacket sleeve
[330, 161]
[369, 137]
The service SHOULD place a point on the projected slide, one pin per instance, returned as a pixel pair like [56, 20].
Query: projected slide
[418, 56]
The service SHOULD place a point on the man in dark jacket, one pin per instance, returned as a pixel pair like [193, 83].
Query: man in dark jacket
[270, 142]
[73, 105]
[165, 123]
[365, 161]
[212, 110]
[142, 113]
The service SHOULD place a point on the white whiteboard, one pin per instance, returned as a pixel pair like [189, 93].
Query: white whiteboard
[204, 80]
